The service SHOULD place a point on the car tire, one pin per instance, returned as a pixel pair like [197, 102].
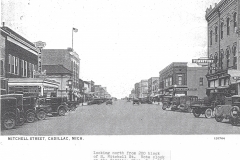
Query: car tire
[21, 119]
[164, 106]
[41, 115]
[30, 117]
[234, 121]
[61, 111]
[208, 113]
[195, 113]
[9, 121]
[218, 118]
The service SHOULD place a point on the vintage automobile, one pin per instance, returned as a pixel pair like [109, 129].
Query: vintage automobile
[175, 103]
[56, 105]
[166, 101]
[109, 101]
[223, 111]
[96, 101]
[136, 101]
[186, 102]
[33, 109]
[207, 104]
[145, 101]
[19, 98]
[72, 105]
[9, 112]
[235, 111]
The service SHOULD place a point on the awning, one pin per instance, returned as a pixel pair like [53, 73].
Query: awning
[211, 88]
[222, 87]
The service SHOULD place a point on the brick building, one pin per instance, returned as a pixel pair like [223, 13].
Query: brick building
[69, 60]
[137, 90]
[173, 79]
[143, 87]
[150, 86]
[19, 60]
[223, 46]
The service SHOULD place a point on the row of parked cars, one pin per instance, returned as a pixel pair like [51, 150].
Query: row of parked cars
[16, 109]
[216, 105]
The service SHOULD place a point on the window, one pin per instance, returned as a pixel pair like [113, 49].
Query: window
[222, 30]
[234, 20]
[216, 60]
[170, 81]
[216, 34]
[228, 57]
[13, 65]
[16, 65]
[221, 59]
[211, 34]
[234, 58]
[210, 65]
[22, 67]
[201, 81]
[9, 63]
[179, 79]
[2, 68]
[228, 26]
[25, 69]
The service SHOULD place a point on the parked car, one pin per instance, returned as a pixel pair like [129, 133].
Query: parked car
[19, 98]
[235, 111]
[72, 105]
[145, 101]
[96, 101]
[175, 103]
[9, 112]
[167, 101]
[56, 105]
[223, 111]
[136, 101]
[186, 102]
[109, 102]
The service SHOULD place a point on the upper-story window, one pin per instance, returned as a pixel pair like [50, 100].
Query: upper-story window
[179, 79]
[201, 81]
[2, 67]
[222, 30]
[211, 34]
[16, 71]
[228, 26]
[216, 60]
[228, 57]
[216, 34]
[170, 80]
[9, 63]
[210, 65]
[234, 57]
[234, 20]
[221, 59]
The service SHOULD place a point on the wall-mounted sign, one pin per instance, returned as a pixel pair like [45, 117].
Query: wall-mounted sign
[40, 45]
[202, 61]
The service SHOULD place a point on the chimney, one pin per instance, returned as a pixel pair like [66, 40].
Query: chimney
[3, 23]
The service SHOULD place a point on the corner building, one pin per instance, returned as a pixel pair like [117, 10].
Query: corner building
[223, 47]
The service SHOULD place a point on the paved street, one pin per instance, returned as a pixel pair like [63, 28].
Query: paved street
[124, 118]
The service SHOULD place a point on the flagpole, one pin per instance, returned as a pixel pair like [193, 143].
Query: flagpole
[72, 39]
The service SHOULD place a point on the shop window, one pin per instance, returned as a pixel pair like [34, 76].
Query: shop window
[221, 59]
[216, 60]
[222, 30]
[201, 81]
[216, 34]
[16, 65]
[228, 26]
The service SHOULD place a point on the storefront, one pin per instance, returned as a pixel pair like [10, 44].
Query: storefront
[33, 86]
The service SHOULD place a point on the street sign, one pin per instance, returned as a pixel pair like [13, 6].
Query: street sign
[202, 60]
[40, 44]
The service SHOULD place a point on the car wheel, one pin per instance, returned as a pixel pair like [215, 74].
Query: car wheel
[30, 117]
[164, 106]
[195, 113]
[61, 112]
[208, 113]
[189, 109]
[21, 119]
[234, 121]
[41, 115]
[9, 121]
[218, 118]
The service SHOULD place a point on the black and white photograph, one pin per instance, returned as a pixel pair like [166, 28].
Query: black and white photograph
[121, 79]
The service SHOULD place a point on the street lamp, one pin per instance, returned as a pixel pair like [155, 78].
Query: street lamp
[70, 81]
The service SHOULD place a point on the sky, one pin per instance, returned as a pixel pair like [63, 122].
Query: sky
[119, 42]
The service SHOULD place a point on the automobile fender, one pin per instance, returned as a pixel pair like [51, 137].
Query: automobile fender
[62, 106]
[9, 113]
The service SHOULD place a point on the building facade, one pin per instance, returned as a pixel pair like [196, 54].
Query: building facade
[137, 90]
[69, 60]
[143, 87]
[223, 47]
[155, 87]
[150, 86]
[173, 79]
